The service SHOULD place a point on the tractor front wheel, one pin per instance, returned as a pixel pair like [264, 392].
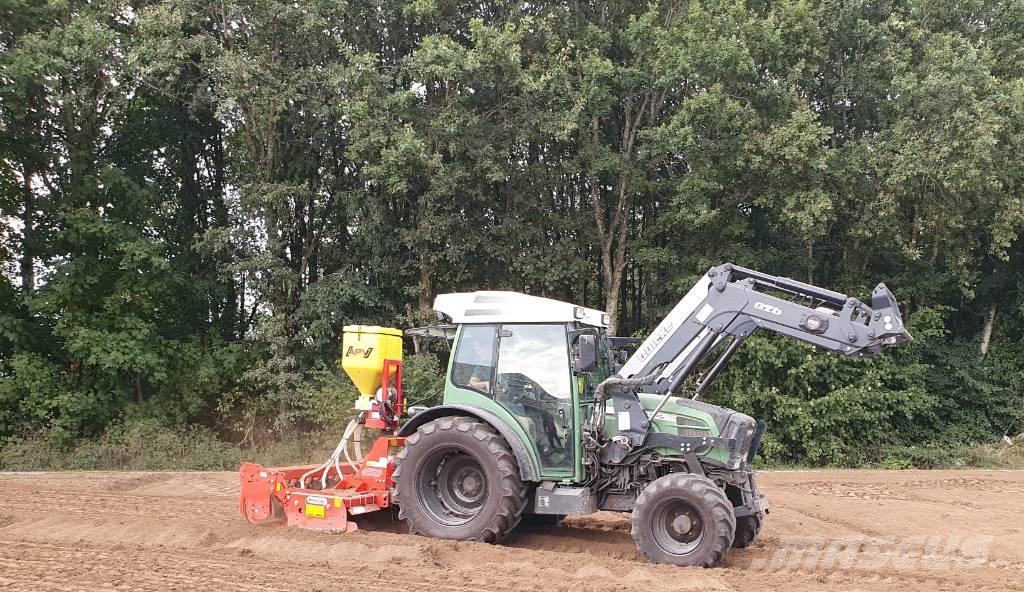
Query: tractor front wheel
[456, 478]
[683, 519]
[747, 528]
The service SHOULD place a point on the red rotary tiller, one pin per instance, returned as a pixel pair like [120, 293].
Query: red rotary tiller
[323, 497]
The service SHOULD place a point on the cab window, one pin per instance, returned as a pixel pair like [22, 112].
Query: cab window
[534, 359]
[473, 366]
[533, 383]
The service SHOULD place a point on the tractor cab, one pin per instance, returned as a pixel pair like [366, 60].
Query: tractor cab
[532, 362]
[534, 365]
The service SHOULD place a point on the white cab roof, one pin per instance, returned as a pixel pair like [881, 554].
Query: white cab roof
[513, 307]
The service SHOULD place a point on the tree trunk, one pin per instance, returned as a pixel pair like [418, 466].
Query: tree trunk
[986, 330]
[426, 287]
[28, 262]
[233, 309]
[616, 264]
[613, 253]
[613, 234]
[425, 290]
[411, 319]
[810, 262]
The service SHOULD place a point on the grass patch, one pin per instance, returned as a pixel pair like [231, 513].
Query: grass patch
[928, 456]
[148, 447]
[977, 456]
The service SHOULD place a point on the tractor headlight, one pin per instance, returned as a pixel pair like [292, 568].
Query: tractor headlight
[741, 427]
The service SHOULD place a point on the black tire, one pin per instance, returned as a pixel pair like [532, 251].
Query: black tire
[683, 519]
[747, 528]
[456, 478]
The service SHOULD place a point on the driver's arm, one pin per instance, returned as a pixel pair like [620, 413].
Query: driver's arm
[480, 378]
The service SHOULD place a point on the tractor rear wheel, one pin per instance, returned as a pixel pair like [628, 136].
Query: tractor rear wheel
[683, 519]
[457, 478]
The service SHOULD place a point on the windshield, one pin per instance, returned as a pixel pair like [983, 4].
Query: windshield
[535, 357]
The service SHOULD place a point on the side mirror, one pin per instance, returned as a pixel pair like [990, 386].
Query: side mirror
[586, 353]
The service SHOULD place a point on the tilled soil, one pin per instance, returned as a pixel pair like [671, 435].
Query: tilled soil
[828, 530]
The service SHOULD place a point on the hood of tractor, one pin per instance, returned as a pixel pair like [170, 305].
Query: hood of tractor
[686, 417]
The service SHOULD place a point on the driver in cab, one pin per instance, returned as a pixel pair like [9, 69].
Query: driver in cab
[475, 363]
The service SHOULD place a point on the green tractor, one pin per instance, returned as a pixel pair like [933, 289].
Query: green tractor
[541, 421]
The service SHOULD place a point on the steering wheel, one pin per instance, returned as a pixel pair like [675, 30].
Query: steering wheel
[514, 389]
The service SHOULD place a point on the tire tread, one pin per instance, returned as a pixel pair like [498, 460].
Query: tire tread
[747, 529]
[513, 491]
[700, 488]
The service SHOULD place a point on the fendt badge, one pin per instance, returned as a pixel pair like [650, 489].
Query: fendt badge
[768, 308]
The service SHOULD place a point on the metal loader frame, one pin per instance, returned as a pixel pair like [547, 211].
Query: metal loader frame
[730, 303]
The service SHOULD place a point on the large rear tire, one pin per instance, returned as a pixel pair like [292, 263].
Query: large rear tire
[683, 519]
[457, 478]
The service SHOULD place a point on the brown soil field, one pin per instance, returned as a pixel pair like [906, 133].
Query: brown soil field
[829, 530]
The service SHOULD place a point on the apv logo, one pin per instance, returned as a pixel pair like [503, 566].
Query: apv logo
[768, 308]
[358, 351]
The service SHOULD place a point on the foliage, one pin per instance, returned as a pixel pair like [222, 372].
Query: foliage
[196, 197]
[149, 446]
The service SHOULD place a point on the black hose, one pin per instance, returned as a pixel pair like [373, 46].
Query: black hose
[597, 418]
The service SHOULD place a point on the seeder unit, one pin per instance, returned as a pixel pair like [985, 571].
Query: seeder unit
[325, 496]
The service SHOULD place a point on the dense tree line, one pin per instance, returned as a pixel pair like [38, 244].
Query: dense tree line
[195, 196]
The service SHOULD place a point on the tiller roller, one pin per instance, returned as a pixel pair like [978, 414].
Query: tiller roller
[325, 496]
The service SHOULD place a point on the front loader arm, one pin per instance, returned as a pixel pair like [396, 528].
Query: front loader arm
[732, 302]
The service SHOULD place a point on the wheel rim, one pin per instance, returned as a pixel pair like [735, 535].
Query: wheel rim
[677, 526]
[452, 486]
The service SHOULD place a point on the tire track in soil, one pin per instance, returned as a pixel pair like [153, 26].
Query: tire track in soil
[181, 531]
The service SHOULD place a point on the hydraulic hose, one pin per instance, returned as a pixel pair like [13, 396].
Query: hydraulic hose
[597, 419]
[348, 457]
[325, 466]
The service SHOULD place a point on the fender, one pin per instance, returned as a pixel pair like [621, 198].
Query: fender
[527, 470]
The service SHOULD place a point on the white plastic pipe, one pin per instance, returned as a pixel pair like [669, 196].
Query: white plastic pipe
[325, 466]
[336, 455]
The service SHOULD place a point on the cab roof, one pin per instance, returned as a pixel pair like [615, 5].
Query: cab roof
[513, 307]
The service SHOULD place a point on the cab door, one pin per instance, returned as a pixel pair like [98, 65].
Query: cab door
[533, 381]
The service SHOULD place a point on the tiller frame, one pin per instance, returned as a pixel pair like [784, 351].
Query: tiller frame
[324, 497]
